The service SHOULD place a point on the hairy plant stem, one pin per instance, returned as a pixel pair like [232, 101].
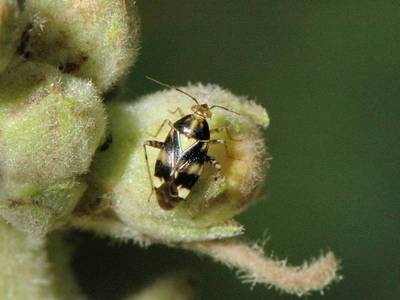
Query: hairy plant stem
[255, 267]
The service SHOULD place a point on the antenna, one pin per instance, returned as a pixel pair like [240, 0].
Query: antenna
[222, 107]
[173, 87]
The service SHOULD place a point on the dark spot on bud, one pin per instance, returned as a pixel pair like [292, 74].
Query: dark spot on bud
[107, 143]
[23, 44]
[73, 66]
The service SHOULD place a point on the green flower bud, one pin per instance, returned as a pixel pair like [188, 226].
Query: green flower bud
[95, 39]
[9, 31]
[51, 125]
[119, 174]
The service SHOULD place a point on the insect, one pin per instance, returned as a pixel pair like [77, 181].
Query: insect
[183, 153]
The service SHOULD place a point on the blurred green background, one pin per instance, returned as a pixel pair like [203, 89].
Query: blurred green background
[329, 74]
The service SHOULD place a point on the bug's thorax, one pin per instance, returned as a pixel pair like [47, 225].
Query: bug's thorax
[193, 126]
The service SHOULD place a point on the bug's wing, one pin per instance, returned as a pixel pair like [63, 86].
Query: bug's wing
[189, 167]
[167, 158]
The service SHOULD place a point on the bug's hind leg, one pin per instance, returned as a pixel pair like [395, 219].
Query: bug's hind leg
[216, 166]
[154, 144]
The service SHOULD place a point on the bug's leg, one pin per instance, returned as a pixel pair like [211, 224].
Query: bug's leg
[179, 110]
[218, 129]
[161, 127]
[223, 142]
[216, 165]
[154, 144]
[227, 132]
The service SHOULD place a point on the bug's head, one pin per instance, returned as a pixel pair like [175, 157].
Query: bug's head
[202, 110]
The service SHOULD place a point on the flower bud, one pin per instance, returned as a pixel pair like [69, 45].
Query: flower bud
[119, 174]
[94, 39]
[51, 125]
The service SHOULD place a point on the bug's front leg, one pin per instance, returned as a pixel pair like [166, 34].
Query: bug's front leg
[223, 142]
[227, 132]
[216, 166]
[165, 122]
[154, 144]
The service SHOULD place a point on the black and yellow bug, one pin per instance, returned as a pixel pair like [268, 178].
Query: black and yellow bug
[183, 153]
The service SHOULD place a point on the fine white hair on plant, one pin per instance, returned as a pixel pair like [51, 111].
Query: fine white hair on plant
[254, 267]
[51, 125]
[103, 52]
